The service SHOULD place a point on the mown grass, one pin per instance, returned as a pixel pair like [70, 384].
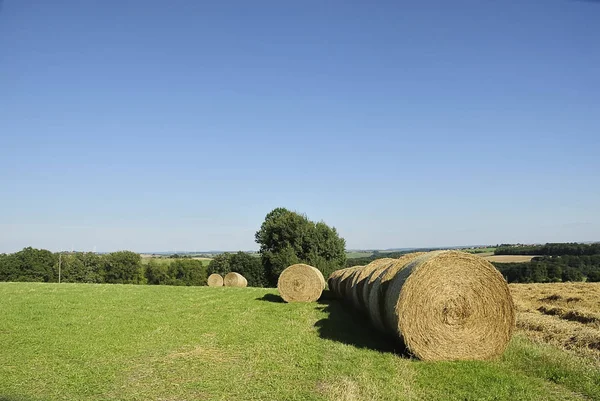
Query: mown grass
[106, 342]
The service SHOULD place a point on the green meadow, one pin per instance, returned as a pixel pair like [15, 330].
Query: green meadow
[128, 342]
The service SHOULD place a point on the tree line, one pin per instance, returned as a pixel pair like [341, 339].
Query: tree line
[548, 269]
[122, 267]
[550, 249]
[285, 238]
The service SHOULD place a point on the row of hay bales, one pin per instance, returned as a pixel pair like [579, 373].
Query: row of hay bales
[443, 305]
[231, 280]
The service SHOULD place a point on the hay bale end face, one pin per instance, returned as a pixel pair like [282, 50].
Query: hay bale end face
[235, 280]
[450, 305]
[301, 283]
[215, 280]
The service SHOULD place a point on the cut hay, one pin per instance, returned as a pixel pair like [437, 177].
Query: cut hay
[235, 280]
[342, 281]
[300, 283]
[334, 279]
[371, 281]
[215, 280]
[360, 280]
[380, 285]
[450, 305]
[346, 285]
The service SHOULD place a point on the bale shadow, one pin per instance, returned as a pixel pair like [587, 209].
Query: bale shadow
[268, 298]
[346, 325]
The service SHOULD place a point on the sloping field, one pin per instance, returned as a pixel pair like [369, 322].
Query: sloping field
[566, 315]
[508, 258]
[121, 342]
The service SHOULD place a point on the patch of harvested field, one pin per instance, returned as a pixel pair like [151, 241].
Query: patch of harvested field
[509, 258]
[562, 314]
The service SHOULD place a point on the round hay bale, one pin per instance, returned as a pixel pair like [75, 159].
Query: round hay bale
[333, 279]
[371, 280]
[379, 288]
[215, 280]
[233, 279]
[345, 280]
[360, 279]
[300, 283]
[451, 305]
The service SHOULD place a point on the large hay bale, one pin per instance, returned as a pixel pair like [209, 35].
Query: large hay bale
[360, 279]
[300, 283]
[371, 281]
[379, 288]
[343, 280]
[233, 279]
[333, 280]
[348, 281]
[215, 280]
[450, 305]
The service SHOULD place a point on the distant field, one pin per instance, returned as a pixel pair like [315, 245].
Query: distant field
[127, 342]
[354, 255]
[509, 258]
[489, 250]
[146, 259]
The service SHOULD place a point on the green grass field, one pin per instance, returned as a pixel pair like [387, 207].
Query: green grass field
[354, 255]
[126, 342]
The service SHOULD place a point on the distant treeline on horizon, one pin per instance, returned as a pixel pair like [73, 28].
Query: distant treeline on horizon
[554, 262]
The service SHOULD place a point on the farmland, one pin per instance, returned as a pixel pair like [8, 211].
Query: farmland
[165, 261]
[508, 258]
[127, 342]
[566, 315]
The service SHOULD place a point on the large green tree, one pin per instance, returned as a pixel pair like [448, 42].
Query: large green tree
[123, 267]
[287, 237]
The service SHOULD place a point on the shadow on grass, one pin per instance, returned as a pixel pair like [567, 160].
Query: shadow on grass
[268, 298]
[347, 325]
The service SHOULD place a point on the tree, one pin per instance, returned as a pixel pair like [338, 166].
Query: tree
[81, 267]
[286, 237]
[29, 264]
[123, 267]
[187, 272]
[157, 273]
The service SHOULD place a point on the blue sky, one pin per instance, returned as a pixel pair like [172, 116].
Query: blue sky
[153, 125]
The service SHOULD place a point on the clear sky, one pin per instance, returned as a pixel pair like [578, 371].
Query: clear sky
[178, 125]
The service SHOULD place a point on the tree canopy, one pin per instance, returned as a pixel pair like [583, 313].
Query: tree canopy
[286, 238]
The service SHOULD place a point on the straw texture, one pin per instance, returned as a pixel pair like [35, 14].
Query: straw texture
[215, 280]
[450, 305]
[300, 283]
[235, 280]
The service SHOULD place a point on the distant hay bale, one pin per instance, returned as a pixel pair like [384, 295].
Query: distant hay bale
[380, 285]
[450, 305]
[233, 279]
[215, 280]
[360, 279]
[300, 283]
